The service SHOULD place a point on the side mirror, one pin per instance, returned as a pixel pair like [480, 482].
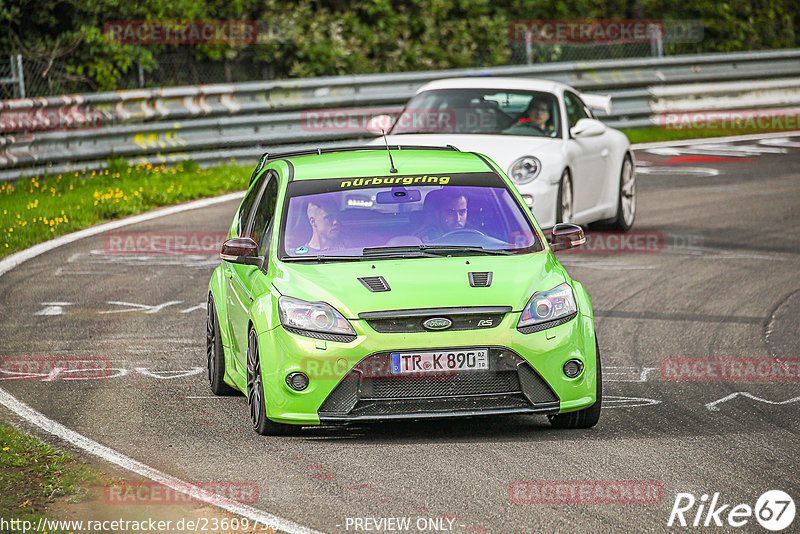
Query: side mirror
[566, 236]
[379, 124]
[241, 250]
[587, 128]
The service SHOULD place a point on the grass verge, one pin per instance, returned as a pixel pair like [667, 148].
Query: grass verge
[657, 133]
[33, 474]
[38, 209]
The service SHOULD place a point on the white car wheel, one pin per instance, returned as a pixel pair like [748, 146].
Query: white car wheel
[564, 207]
[626, 203]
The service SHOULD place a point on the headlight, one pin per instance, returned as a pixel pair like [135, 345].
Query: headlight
[316, 316]
[546, 306]
[525, 169]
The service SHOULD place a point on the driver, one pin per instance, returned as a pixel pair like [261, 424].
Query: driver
[449, 214]
[539, 115]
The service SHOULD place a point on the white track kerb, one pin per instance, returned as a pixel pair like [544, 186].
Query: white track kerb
[48, 425]
[92, 447]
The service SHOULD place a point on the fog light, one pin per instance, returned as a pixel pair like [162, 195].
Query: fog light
[573, 368]
[297, 381]
[528, 200]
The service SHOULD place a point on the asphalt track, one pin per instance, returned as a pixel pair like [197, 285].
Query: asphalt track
[723, 284]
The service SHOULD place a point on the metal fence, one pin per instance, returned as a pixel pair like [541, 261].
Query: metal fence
[215, 123]
[182, 65]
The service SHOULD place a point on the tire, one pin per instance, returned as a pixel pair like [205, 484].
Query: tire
[255, 394]
[588, 417]
[215, 353]
[565, 205]
[626, 196]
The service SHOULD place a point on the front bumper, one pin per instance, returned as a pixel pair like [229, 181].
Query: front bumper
[352, 381]
[371, 392]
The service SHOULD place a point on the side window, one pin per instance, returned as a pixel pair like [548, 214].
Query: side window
[265, 214]
[576, 109]
[246, 209]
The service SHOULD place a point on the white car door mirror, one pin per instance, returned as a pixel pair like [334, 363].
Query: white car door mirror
[379, 124]
[587, 128]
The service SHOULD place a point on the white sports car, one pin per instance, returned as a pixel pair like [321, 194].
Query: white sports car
[568, 165]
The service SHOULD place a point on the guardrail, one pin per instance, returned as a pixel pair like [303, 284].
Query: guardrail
[215, 123]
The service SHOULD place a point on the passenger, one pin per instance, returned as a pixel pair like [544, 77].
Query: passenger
[323, 216]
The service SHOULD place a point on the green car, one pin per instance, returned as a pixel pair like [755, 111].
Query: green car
[380, 283]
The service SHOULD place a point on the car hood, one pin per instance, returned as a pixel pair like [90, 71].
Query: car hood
[503, 149]
[421, 282]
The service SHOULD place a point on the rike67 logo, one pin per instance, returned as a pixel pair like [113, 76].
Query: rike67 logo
[774, 510]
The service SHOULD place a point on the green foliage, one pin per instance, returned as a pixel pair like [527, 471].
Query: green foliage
[118, 165]
[330, 37]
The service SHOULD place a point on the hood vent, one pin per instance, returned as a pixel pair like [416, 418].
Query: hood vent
[376, 284]
[482, 279]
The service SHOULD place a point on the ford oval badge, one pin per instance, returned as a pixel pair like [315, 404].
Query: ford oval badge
[437, 323]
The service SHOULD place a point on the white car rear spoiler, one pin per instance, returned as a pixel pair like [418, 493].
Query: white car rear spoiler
[598, 102]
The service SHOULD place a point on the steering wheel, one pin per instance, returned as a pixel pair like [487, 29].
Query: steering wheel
[528, 123]
[471, 231]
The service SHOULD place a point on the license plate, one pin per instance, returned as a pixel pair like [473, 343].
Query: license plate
[439, 361]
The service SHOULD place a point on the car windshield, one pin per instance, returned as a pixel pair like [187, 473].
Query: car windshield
[481, 111]
[405, 216]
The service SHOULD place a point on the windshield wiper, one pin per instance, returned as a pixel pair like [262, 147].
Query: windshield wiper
[322, 258]
[432, 250]
[403, 252]
[458, 248]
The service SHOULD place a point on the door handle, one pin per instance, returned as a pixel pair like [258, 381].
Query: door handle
[228, 272]
[604, 153]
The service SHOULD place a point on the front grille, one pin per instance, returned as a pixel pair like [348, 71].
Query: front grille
[394, 325]
[442, 405]
[480, 279]
[409, 321]
[371, 390]
[376, 284]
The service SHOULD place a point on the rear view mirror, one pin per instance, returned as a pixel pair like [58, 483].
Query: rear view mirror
[241, 250]
[566, 236]
[398, 195]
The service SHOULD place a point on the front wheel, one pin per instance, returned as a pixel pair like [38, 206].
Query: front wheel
[626, 200]
[564, 206]
[255, 394]
[588, 417]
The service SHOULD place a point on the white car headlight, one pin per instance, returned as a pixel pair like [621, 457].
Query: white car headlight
[525, 170]
[315, 316]
[546, 306]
